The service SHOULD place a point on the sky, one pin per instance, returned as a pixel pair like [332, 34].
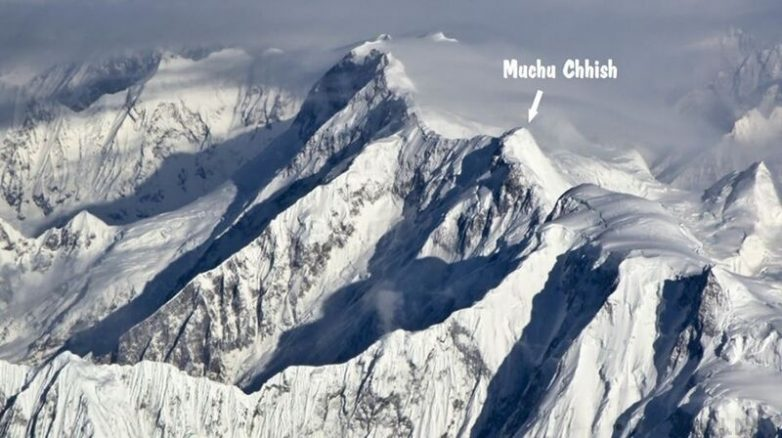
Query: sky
[43, 30]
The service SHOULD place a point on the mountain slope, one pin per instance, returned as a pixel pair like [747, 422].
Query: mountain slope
[132, 136]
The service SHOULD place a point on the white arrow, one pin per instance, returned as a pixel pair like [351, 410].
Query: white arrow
[533, 110]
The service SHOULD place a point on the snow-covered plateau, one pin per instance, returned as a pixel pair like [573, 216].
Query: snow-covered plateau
[190, 246]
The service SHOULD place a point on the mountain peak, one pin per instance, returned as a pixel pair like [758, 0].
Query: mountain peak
[84, 220]
[81, 231]
[440, 37]
[751, 191]
[520, 148]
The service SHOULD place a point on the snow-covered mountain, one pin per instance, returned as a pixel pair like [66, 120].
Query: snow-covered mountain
[345, 268]
[744, 103]
[133, 136]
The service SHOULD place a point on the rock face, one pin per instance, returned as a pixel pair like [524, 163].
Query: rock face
[132, 136]
[361, 275]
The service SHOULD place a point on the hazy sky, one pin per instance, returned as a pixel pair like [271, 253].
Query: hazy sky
[42, 31]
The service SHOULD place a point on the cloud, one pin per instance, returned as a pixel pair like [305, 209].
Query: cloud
[386, 303]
